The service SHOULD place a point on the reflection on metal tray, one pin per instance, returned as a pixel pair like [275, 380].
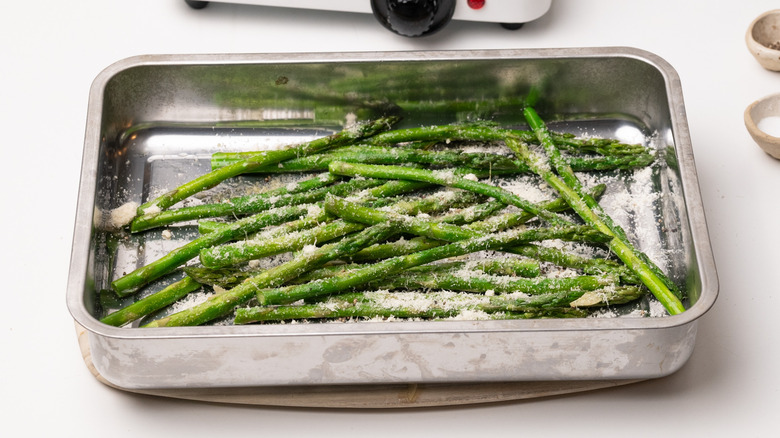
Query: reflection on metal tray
[154, 120]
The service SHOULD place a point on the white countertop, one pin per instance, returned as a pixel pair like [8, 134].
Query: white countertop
[52, 52]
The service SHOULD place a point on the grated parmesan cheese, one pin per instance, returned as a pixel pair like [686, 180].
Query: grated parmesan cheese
[308, 249]
[118, 217]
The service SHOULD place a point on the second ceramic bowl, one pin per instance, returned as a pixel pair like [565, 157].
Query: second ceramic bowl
[762, 120]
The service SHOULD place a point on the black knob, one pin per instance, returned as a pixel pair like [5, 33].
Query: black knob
[413, 18]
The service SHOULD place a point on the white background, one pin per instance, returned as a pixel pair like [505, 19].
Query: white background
[52, 50]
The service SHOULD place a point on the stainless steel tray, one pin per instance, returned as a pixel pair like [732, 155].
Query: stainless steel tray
[153, 120]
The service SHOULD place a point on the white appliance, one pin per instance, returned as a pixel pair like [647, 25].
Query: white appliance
[414, 18]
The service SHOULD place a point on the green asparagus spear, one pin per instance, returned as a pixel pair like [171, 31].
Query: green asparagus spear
[208, 226]
[603, 146]
[487, 132]
[152, 303]
[472, 214]
[508, 267]
[382, 155]
[447, 158]
[395, 248]
[513, 267]
[471, 281]
[416, 305]
[264, 158]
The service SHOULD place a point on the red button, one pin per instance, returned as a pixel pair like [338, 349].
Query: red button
[476, 4]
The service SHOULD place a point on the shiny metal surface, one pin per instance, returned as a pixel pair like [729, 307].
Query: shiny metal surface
[152, 120]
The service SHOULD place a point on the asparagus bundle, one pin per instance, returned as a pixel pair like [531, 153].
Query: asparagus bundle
[397, 211]
[266, 245]
[131, 282]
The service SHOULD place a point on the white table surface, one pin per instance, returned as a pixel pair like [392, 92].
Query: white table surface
[52, 50]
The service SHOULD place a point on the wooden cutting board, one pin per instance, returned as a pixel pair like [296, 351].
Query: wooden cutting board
[366, 396]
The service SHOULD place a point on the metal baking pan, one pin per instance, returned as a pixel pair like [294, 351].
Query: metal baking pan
[153, 120]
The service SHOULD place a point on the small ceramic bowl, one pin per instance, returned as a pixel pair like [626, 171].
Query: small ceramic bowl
[763, 39]
[762, 119]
